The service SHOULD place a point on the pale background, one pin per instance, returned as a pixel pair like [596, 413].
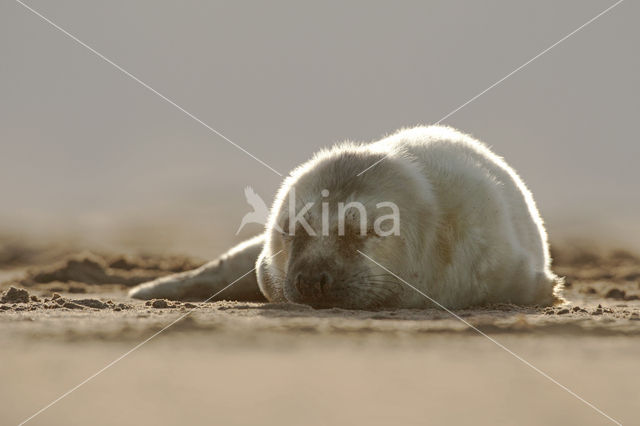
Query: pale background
[88, 154]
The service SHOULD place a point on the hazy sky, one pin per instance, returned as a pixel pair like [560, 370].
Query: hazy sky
[85, 149]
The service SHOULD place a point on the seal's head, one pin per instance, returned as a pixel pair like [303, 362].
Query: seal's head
[326, 218]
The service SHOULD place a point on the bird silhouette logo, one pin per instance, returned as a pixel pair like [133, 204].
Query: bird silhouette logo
[260, 212]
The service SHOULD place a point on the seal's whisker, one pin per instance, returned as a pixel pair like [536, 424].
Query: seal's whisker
[383, 282]
[378, 275]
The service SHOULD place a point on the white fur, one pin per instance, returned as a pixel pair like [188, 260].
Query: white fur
[470, 232]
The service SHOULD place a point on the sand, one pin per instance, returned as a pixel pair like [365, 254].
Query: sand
[257, 363]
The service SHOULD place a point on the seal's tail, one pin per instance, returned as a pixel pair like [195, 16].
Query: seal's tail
[550, 289]
[558, 289]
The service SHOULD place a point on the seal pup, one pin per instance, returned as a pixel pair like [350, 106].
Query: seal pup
[440, 210]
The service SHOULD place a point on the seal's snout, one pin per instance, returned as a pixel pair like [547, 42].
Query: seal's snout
[313, 286]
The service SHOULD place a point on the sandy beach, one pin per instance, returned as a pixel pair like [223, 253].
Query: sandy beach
[228, 362]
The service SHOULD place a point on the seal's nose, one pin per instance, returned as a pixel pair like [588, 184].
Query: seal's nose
[313, 286]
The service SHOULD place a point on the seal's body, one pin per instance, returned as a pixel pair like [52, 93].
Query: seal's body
[443, 215]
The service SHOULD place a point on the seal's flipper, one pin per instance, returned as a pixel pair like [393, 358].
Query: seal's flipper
[232, 275]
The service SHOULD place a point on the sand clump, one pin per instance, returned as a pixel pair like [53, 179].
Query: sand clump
[15, 295]
[92, 303]
[89, 272]
[15, 299]
[159, 304]
[89, 268]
